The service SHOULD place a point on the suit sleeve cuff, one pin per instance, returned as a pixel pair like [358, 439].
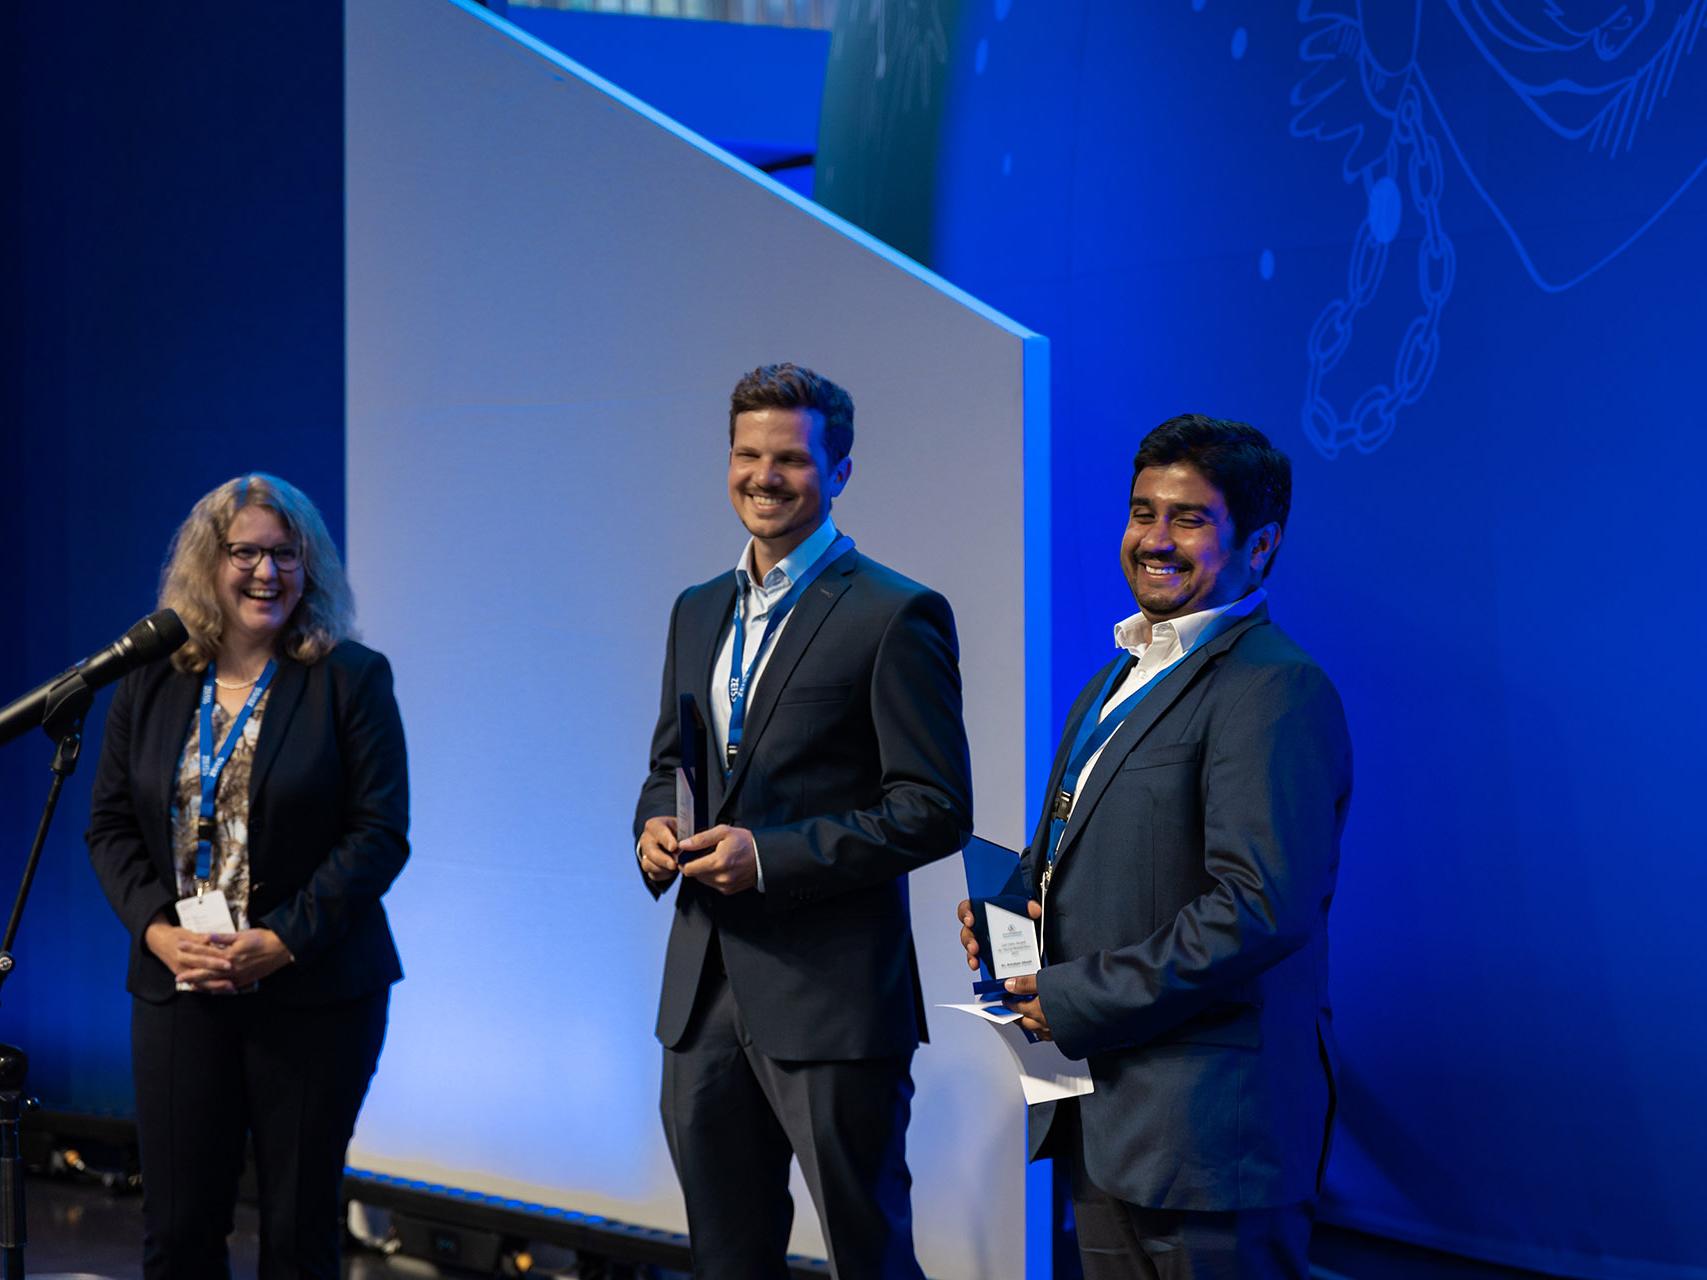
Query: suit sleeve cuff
[1067, 1025]
[281, 920]
[142, 913]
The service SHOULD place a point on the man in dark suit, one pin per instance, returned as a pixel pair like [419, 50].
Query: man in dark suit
[837, 763]
[1183, 870]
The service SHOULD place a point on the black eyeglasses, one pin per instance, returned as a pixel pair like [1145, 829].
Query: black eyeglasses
[246, 555]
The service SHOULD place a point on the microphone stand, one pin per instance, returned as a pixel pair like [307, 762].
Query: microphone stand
[67, 704]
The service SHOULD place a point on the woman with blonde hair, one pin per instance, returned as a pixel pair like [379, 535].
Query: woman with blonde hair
[250, 807]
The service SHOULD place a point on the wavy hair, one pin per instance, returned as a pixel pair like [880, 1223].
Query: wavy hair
[326, 613]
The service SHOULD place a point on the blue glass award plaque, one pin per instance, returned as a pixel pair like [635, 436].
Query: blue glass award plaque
[1007, 936]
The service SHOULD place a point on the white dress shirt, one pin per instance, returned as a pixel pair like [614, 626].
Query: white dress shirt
[757, 599]
[1155, 645]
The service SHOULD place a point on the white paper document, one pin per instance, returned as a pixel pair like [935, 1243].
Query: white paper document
[1045, 1073]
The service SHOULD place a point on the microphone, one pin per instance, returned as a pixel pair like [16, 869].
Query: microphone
[155, 637]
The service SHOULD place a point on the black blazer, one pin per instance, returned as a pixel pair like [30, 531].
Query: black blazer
[853, 771]
[1185, 929]
[328, 817]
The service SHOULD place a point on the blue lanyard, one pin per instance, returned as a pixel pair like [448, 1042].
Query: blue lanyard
[213, 765]
[738, 682]
[1093, 733]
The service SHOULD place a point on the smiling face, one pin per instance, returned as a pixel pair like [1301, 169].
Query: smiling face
[1179, 553]
[780, 478]
[257, 602]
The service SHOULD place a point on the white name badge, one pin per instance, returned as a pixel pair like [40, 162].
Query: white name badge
[206, 913]
[684, 806]
[1013, 943]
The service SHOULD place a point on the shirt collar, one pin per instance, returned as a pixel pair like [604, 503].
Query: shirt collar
[792, 565]
[1136, 633]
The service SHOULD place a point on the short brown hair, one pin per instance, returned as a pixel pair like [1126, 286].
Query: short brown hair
[790, 386]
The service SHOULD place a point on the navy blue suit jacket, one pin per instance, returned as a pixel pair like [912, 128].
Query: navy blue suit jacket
[853, 770]
[1185, 930]
[328, 817]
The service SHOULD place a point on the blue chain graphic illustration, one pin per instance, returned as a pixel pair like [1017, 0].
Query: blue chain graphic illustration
[1413, 151]
[1578, 85]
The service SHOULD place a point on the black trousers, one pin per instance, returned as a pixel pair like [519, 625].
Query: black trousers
[733, 1118]
[212, 1069]
[1119, 1240]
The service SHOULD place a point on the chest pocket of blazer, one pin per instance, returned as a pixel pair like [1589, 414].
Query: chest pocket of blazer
[796, 694]
[1157, 757]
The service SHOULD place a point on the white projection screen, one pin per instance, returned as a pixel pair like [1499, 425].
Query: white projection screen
[551, 291]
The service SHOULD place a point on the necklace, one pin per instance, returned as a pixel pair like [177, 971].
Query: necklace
[234, 684]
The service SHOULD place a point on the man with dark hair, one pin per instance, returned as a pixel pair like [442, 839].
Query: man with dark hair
[838, 763]
[1182, 871]
[788, 386]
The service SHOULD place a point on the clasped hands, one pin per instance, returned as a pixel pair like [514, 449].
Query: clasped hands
[728, 859]
[1022, 998]
[216, 963]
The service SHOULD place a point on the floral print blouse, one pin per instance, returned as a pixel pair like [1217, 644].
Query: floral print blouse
[230, 811]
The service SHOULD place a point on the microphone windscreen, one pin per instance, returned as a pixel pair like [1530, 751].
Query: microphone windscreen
[156, 636]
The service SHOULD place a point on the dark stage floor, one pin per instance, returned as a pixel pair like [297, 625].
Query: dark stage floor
[80, 1230]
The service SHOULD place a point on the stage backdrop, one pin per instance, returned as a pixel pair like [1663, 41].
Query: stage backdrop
[551, 292]
[172, 287]
[1453, 256]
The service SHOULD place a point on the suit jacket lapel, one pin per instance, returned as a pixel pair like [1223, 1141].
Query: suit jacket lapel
[173, 714]
[804, 620]
[702, 633]
[283, 695]
[1085, 704]
[1154, 706]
